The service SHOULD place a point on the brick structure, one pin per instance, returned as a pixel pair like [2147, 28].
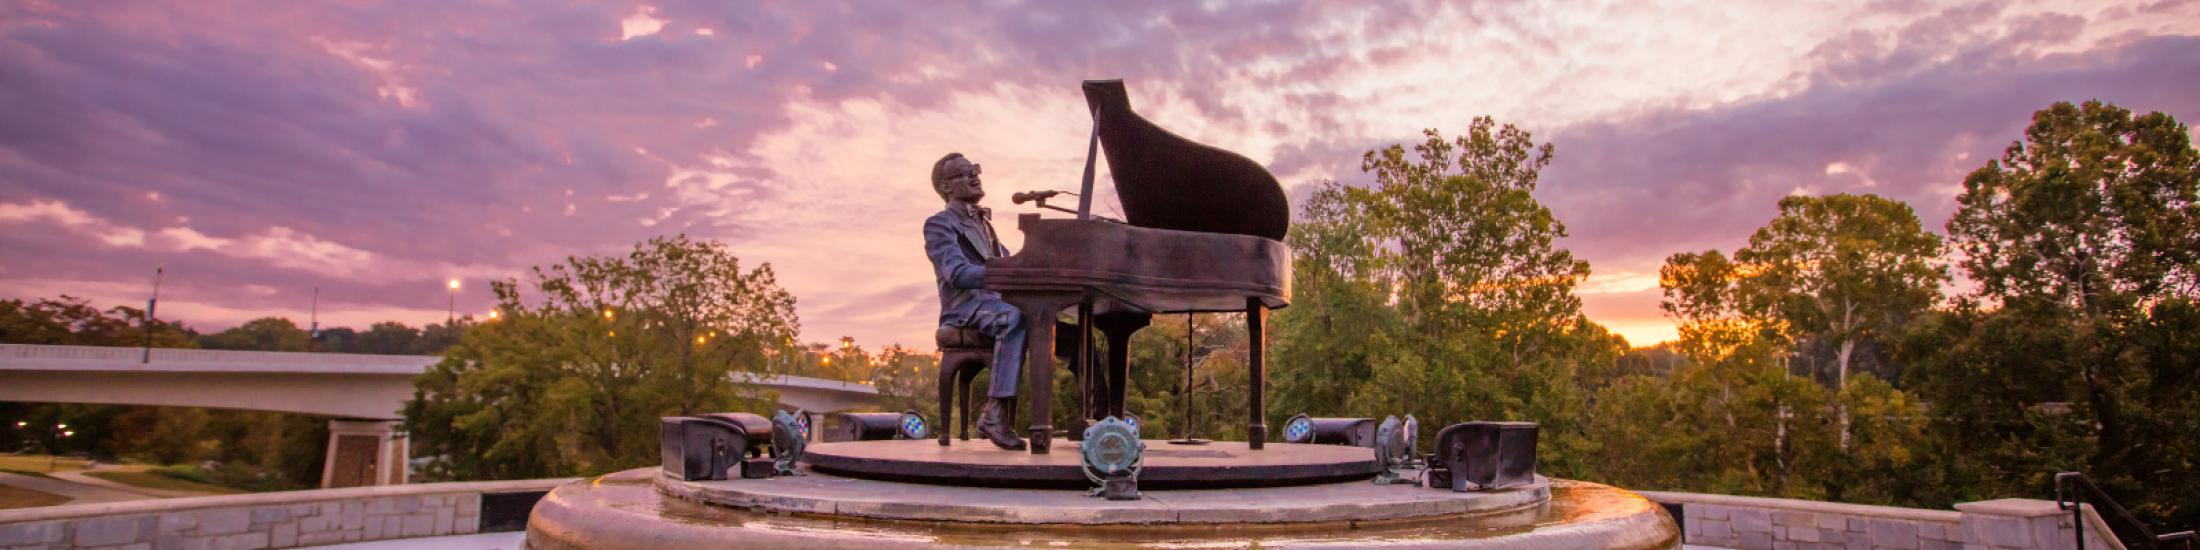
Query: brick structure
[267, 520]
[1782, 524]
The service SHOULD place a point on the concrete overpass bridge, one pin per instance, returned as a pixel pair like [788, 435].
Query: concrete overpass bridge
[362, 395]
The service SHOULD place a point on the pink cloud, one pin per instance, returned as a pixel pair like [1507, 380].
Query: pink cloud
[375, 150]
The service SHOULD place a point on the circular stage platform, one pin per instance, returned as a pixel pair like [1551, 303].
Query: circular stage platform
[642, 509]
[1333, 502]
[978, 463]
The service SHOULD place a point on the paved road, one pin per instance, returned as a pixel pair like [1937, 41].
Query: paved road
[79, 493]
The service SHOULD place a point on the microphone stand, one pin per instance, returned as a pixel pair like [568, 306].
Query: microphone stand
[1039, 199]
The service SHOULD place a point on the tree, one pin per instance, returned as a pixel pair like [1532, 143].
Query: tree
[2095, 210]
[907, 380]
[1439, 290]
[572, 380]
[387, 338]
[2076, 351]
[262, 334]
[1462, 240]
[1730, 420]
[72, 321]
[1840, 269]
[336, 340]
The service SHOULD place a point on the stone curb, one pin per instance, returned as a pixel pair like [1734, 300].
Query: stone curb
[73, 511]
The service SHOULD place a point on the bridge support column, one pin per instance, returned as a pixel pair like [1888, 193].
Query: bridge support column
[365, 452]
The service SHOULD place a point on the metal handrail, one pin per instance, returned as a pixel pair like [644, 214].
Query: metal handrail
[2072, 487]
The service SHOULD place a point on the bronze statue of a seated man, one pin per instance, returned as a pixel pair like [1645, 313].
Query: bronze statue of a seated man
[959, 240]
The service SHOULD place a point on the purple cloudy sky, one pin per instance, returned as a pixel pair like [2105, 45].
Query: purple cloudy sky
[377, 149]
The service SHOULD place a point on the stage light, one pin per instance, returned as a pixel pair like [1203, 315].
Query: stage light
[1112, 456]
[876, 426]
[1356, 432]
[802, 422]
[1299, 429]
[788, 444]
[1475, 456]
[1135, 422]
[1393, 450]
[709, 447]
[912, 425]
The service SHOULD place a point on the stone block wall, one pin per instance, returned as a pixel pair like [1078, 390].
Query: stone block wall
[1782, 524]
[263, 520]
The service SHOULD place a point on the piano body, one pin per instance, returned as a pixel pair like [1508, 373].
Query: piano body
[1203, 233]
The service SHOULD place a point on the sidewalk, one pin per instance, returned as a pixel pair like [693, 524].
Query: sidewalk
[80, 493]
[79, 477]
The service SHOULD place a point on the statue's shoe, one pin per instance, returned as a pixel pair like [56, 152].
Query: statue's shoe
[992, 428]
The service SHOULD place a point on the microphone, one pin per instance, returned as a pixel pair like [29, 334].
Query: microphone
[1028, 196]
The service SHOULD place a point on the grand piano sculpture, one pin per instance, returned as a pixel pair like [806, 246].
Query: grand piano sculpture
[1203, 234]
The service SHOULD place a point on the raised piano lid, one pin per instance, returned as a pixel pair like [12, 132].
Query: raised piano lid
[1168, 182]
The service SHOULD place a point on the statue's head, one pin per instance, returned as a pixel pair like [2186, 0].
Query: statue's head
[955, 178]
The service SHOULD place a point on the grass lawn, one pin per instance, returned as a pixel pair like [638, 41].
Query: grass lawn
[153, 480]
[39, 463]
[15, 497]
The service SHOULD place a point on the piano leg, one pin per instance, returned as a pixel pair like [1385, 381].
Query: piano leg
[1119, 327]
[1256, 319]
[1040, 309]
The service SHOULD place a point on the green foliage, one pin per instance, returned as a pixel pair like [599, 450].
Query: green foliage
[1219, 380]
[907, 381]
[72, 321]
[2086, 236]
[2096, 209]
[1841, 270]
[1439, 291]
[262, 334]
[572, 382]
[192, 474]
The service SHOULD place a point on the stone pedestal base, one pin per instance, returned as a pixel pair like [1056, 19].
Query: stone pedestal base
[639, 509]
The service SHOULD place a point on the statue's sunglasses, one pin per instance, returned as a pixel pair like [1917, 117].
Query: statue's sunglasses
[972, 172]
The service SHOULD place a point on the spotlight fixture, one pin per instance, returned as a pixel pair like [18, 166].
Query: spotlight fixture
[788, 444]
[1476, 456]
[876, 426]
[1113, 455]
[1393, 447]
[1356, 432]
[912, 426]
[709, 447]
[802, 422]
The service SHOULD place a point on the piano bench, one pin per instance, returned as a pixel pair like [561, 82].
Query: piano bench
[963, 353]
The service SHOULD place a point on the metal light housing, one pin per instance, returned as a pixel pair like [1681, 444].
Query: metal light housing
[1113, 454]
[1394, 450]
[912, 426]
[788, 444]
[1356, 432]
[876, 426]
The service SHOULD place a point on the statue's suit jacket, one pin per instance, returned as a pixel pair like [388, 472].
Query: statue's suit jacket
[959, 249]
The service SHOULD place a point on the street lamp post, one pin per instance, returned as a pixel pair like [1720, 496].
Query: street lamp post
[53, 460]
[151, 303]
[453, 318]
